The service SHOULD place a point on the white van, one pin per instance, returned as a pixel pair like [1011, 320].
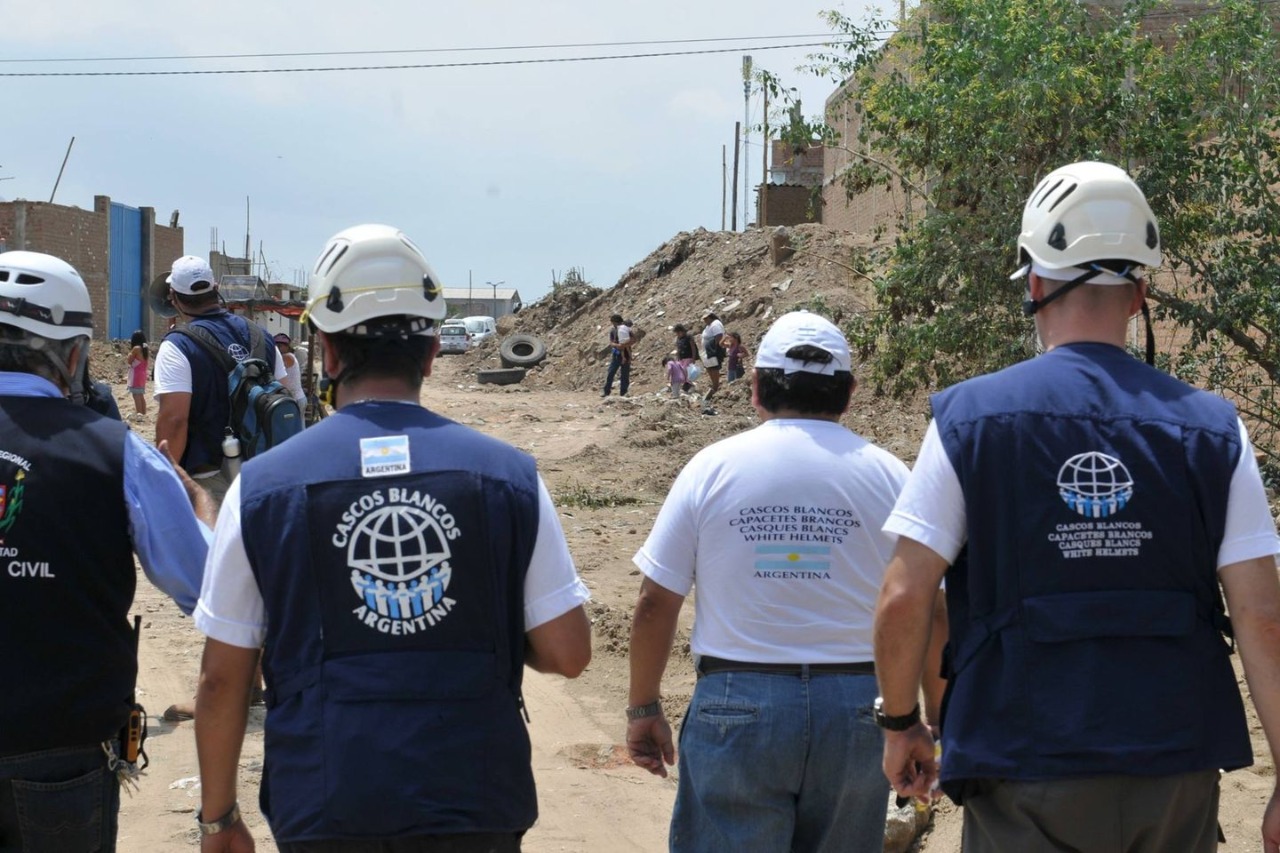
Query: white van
[480, 328]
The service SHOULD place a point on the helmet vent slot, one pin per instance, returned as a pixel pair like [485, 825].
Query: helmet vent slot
[1044, 195]
[328, 260]
[1068, 191]
[1153, 236]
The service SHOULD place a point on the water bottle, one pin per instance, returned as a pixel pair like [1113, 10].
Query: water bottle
[230, 454]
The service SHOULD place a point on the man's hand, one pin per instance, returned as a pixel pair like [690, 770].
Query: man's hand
[909, 761]
[649, 742]
[201, 503]
[1271, 825]
[233, 839]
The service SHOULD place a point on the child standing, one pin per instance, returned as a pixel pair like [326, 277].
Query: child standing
[686, 352]
[677, 377]
[139, 357]
[734, 352]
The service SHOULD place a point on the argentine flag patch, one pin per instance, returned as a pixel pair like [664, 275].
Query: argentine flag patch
[384, 456]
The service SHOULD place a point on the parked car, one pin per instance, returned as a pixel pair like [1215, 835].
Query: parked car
[454, 337]
[480, 328]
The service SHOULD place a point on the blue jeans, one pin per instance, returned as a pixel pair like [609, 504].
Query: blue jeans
[614, 364]
[778, 762]
[58, 801]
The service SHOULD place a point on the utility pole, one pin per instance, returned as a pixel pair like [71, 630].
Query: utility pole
[724, 174]
[764, 162]
[737, 130]
[746, 134]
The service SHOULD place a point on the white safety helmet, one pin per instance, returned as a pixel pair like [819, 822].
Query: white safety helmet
[372, 273]
[44, 296]
[1086, 213]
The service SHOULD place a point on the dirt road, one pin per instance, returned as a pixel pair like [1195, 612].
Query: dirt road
[608, 463]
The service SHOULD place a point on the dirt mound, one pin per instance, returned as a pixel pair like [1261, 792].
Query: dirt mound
[728, 272]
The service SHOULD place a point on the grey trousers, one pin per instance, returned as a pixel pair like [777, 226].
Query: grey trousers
[1104, 814]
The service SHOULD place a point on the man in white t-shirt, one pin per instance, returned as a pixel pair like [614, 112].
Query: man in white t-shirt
[400, 571]
[619, 356]
[779, 529]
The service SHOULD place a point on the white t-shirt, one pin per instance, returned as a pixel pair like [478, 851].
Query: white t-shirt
[231, 609]
[173, 370]
[931, 509]
[623, 333]
[709, 338]
[780, 529]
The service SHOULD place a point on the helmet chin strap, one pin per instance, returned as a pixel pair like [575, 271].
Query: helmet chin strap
[1031, 306]
[73, 380]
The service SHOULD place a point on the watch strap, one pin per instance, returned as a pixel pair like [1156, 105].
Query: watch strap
[225, 822]
[899, 723]
[639, 712]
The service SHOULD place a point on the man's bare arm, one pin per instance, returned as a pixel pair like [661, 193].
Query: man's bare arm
[653, 630]
[1253, 599]
[562, 645]
[171, 421]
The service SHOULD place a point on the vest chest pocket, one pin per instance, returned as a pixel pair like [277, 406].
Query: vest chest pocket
[1112, 672]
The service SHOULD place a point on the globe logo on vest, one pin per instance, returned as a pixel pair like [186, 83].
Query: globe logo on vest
[1094, 484]
[399, 559]
[238, 351]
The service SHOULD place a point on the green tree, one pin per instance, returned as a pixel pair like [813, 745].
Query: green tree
[971, 102]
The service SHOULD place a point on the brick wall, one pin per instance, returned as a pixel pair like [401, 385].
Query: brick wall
[791, 205]
[865, 213]
[166, 247]
[83, 238]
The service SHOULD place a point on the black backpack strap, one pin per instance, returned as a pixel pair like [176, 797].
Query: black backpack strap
[210, 344]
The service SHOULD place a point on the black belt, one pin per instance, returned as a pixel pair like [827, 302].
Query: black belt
[708, 664]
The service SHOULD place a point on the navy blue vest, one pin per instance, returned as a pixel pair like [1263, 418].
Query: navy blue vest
[1084, 630]
[210, 395]
[66, 576]
[390, 546]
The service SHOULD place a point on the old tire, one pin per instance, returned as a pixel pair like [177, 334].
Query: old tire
[522, 350]
[506, 376]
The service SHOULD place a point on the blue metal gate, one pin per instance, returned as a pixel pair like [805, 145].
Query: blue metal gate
[124, 300]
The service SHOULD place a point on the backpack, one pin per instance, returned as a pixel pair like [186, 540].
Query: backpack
[262, 413]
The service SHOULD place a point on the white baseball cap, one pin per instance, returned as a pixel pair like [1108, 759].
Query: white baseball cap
[190, 275]
[800, 328]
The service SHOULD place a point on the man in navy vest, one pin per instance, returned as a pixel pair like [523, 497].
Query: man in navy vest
[402, 570]
[192, 391]
[191, 388]
[1088, 507]
[79, 495]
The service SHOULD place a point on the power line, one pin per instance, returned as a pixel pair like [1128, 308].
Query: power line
[392, 51]
[406, 67]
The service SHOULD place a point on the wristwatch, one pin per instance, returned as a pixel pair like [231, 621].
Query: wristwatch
[225, 822]
[639, 712]
[895, 724]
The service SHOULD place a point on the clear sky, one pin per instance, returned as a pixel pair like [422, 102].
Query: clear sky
[504, 173]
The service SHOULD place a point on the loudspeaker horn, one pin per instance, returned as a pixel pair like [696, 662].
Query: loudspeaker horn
[158, 297]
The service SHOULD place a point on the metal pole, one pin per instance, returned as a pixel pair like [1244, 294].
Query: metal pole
[764, 162]
[746, 134]
[468, 291]
[64, 166]
[724, 176]
[737, 129]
